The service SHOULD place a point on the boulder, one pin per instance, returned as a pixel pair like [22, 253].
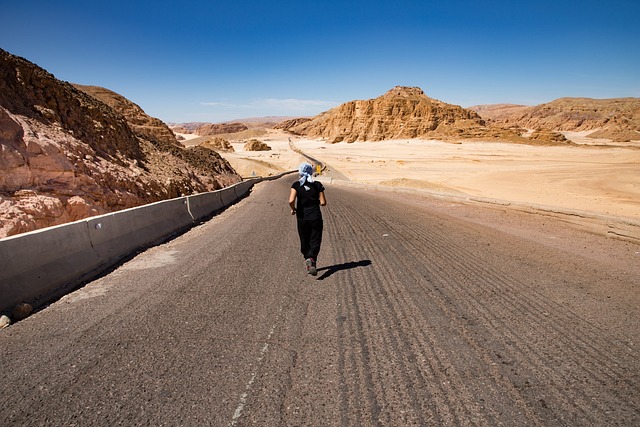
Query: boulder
[218, 144]
[21, 311]
[255, 145]
[547, 135]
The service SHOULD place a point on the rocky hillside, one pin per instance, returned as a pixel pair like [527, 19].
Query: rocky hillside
[499, 112]
[236, 126]
[402, 112]
[139, 122]
[66, 153]
[616, 119]
[220, 128]
[185, 127]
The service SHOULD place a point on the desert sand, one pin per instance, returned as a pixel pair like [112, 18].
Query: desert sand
[598, 180]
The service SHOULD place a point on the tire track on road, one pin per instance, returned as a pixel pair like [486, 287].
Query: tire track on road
[575, 341]
[580, 346]
[418, 317]
[396, 336]
[418, 258]
[422, 334]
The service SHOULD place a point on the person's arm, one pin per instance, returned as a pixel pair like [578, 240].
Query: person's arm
[292, 201]
[323, 200]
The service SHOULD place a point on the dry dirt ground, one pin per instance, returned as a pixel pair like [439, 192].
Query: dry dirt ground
[595, 183]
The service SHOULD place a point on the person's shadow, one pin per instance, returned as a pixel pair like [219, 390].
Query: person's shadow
[346, 266]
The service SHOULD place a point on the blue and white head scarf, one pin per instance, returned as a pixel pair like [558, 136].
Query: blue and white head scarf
[306, 173]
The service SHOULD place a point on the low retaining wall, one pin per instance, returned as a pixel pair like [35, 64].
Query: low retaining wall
[42, 265]
[38, 263]
[125, 231]
[202, 205]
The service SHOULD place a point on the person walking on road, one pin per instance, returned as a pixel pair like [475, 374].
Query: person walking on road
[309, 195]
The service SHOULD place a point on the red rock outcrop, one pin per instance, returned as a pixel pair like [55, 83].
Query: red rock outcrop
[185, 127]
[65, 155]
[180, 129]
[547, 135]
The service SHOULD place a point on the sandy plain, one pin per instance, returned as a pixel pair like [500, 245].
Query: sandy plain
[592, 179]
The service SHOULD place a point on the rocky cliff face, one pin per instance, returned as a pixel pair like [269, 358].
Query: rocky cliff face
[66, 155]
[616, 119]
[402, 112]
[291, 123]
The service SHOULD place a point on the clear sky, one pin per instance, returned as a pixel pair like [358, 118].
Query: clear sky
[214, 61]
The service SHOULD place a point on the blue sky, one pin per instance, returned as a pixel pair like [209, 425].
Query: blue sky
[214, 61]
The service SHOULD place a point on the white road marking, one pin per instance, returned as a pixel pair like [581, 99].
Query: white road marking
[243, 398]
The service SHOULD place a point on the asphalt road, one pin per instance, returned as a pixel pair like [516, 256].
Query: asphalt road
[424, 312]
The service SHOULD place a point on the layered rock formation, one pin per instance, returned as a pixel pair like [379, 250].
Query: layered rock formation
[235, 127]
[220, 128]
[616, 119]
[499, 112]
[402, 112]
[291, 123]
[66, 155]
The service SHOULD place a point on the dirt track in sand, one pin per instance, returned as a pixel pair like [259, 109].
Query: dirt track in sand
[602, 180]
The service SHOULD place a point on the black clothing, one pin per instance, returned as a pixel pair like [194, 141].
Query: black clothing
[310, 232]
[310, 223]
[308, 200]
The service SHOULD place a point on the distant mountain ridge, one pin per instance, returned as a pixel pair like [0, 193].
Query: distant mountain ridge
[233, 126]
[406, 113]
[617, 119]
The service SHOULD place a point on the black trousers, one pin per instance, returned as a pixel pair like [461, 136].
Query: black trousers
[310, 232]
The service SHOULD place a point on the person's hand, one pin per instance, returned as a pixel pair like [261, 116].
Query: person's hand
[293, 211]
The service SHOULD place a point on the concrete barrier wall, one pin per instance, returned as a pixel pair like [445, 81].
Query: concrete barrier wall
[204, 204]
[119, 233]
[243, 188]
[228, 196]
[41, 265]
[42, 262]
